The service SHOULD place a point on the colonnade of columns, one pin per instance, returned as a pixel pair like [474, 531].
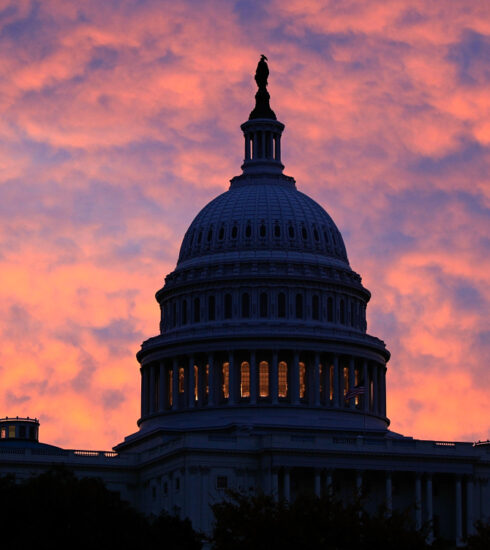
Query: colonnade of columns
[462, 514]
[294, 377]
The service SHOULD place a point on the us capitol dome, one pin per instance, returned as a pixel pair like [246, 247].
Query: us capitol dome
[263, 321]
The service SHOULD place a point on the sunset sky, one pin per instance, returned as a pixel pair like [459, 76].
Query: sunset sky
[120, 121]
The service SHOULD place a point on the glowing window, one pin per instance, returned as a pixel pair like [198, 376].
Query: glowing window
[356, 383]
[196, 383]
[181, 379]
[207, 379]
[170, 386]
[263, 379]
[11, 432]
[281, 305]
[245, 379]
[225, 374]
[346, 380]
[3, 433]
[322, 380]
[263, 304]
[283, 379]
[302, 380]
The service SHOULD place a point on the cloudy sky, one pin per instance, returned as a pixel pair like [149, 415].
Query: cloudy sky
[120, 121]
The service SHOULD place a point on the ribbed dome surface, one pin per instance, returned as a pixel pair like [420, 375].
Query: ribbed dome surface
[261, 215]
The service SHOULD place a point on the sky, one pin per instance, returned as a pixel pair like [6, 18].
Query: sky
[121, 119]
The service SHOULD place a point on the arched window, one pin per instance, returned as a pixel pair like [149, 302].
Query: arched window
[225, 378]
[342, 312]
[321, 374]
[299, 306]
[277, 230]
[248, 231]
[330, 309]
[234, 232]
[228, 304]
[184, 312]
[302, 380]
[262, 230]
[211, 308]
[263, 304]
[281, 305]
[331, 377]
[245, 379]
[291, 232]
[199, 237]
[304, 233]
[315, 307]
[221, 234]
[263, 379]
[210, 234]
[197, 310]
[245, 305]
[315, 234]
[346, 380]
[181, 379]
[282, 384]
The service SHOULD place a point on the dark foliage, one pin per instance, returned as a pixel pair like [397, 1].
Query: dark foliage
[58, 510]
[480, 540]
[259, 523]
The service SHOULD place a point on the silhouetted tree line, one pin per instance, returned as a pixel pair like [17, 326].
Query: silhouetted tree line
[57, 510]
[309, 522]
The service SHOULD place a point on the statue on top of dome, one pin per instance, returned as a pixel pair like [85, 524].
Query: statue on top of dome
[262, 97]
[262, 72]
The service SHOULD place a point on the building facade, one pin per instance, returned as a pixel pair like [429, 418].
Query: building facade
[263, 375]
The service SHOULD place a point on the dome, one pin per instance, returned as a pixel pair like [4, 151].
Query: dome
[270, 215]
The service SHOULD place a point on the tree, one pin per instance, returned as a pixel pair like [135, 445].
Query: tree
[259, 523]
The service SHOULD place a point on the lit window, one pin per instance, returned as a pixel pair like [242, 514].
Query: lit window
[181, 379]
[196, 383]
[245, 379]
[322, 381]
[302, 380]
[207, 379]
[3, 433]
[356, 383]
[264, 378]
[283, 379]
[226, 380]
[346, 380]
[170, 386]
[11, 432]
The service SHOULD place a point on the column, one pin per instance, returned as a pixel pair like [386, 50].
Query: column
[151, 387]
[175, 385]
[459, 512]
[253, 379]
[382, 373]
[389, 494]
[287, 485]
[262, 145]
[470, 517]
[375, 387]
[329, 483]
[318, 487]
[336, 385]
[273, 381]
[144, 391]
[275, 485]
[190, 383]
[201, 384]
[232, 399]
[270, 141]
[162, 401]
[212, 381]
[295, 379]
[316, 381]
[247, 146]
[365, 375]
[430, 508]
[418, 502]
[278, 147]
[352, 401]
[358, 483]
[255, 153]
